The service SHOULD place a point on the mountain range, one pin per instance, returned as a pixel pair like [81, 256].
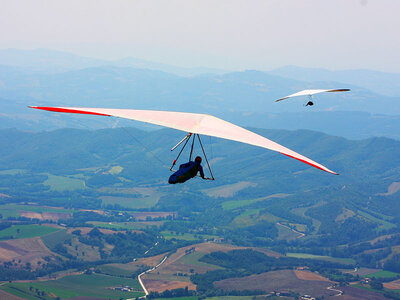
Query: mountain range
[44, 77]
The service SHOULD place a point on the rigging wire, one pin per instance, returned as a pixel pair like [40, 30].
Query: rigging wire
[116, 123]
[205, 156]
[146, 148]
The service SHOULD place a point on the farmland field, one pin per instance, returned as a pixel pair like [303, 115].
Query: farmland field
[193, 260]
[230, 205]
[186, 236]
[26, 231]
[119, 269]
[285, 233]
[13, 210]
[246, 218]
[276, 280]
[321, 257]
[382, 274]
[130, 202]
[63, 183]
[181, 298]
[359, 292]
[261, 297]
[80, 285]
[52, 239]
[383, 225]
[361, 271]
[126, 225]
[30, 250]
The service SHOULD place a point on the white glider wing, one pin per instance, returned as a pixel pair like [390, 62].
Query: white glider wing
[312, 92]
[194, 123]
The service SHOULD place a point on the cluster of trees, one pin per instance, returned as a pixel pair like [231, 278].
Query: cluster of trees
[172, 293]
[7, 273]
[393, 264]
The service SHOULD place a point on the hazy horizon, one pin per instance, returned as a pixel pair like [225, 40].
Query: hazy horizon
[264, 35]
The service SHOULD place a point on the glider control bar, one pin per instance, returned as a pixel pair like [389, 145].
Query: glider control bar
[181, 141]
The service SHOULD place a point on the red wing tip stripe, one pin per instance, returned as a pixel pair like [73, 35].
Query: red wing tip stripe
[68, 110]
[339, 90]
[306, 162]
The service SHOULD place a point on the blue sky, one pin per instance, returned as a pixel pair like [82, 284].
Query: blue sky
[257, 34]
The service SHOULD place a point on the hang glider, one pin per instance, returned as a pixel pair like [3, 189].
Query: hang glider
[192, 123]
[312, 92]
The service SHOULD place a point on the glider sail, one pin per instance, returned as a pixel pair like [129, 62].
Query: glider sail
[192, 123]
[312, 92]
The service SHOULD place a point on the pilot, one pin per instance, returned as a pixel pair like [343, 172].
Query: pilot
[187, 171]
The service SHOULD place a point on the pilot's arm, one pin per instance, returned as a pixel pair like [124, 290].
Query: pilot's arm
[201, 172]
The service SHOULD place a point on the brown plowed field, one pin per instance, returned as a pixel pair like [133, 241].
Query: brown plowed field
[164, 277]
[307, 275]
[267, 252]
[52, 216]
[352, 293]
[150, 261]
[6, 296]
[203, 248]
[362, 271]
[100, 212]
[282, 280]
[163, 285]
[29, 250]
[393, 285]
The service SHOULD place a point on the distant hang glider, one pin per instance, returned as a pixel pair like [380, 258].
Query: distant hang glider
[309, 93]
[192, 123]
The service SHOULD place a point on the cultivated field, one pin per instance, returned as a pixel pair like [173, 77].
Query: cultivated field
[135, 197]
[283, 280]
[382, 274]
[126, 225]
[94, 285]
[228, 190]
[175, 271]
[26, 231]
[51, 216]
[23, 210]
[321, 257]
[361, 271]
[160, 285]
[63, 183]
[353, 293]
[306, 275]
[119, 269]
[393, 285]
[168, 235]
[30, 250]
[14, 295]
[230, 205]
[286, 233]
